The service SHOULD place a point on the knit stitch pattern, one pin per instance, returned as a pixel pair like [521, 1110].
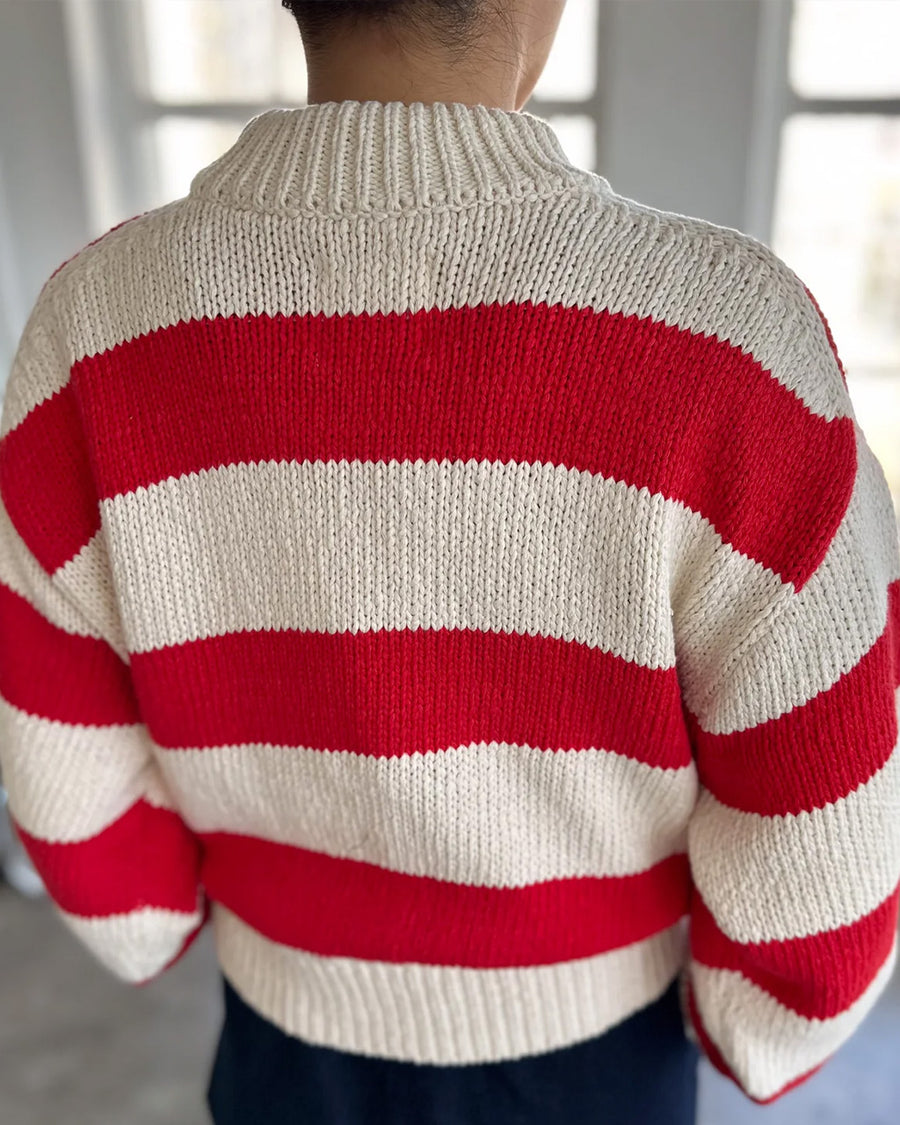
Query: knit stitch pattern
[467, 588]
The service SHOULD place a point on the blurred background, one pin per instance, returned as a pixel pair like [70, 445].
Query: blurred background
[779, 118]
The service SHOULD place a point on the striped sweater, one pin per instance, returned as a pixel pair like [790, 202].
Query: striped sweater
[466, 588]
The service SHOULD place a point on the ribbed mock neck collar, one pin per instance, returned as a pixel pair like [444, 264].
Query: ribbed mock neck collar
[352, 156]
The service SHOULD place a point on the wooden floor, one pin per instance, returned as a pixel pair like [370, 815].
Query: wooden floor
[77, 1047]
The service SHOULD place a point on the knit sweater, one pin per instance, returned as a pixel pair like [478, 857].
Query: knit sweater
[467, 588]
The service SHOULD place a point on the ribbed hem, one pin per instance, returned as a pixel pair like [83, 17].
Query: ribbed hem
[352, 157]
[443, 1014]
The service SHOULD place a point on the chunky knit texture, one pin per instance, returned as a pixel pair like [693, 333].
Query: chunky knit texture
[467, 587]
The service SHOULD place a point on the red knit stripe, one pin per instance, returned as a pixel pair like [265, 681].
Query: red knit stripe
[58, 675]
[145, 858]
[814, 754]
[347, 908]
[45, 481]
[374, 693]
[818, 976]
[422, 385]
[715, 1056]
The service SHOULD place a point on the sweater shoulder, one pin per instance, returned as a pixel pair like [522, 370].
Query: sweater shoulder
[626, 257]
[721, 282]
[93, 296]
[136, 229]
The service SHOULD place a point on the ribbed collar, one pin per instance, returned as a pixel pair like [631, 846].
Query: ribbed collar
[352, 156]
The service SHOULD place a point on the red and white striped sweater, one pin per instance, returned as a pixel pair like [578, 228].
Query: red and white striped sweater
[453, 578]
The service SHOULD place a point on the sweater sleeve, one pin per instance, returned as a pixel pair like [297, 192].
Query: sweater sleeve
[84, 791]
[789, 680]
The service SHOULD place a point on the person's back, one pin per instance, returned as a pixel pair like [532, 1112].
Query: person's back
[471, 590]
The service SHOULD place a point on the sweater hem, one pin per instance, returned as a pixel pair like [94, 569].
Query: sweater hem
[443, 1014]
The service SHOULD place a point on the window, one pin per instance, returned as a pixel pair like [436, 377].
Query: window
[836, 218]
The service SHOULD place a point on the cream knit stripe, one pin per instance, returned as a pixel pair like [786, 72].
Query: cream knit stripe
[768, 1046]
[78, 598]
[401, 554]
[820, 634]
[442, 1014]
[88, 578]
[496, 823]
[580, 575]
[67, 782]
[803, 874]
[177, 263]
[24, 576]
[135, 946]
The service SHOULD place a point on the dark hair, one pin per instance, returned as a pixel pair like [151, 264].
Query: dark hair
[453, 23]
